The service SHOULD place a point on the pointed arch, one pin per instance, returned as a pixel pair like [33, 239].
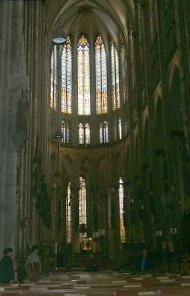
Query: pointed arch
[83, 59]
[101, 76]
[116, 103]
[66, 78]
[53, 78]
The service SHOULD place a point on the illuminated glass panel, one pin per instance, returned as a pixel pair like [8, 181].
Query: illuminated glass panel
[115, 78]
[87, 133]
[119, 128]
[68, 214]
[53, 88]
[83, 60]
[82, 201]
[101, 77]
[66, 78]
[121, 210]
[81, 133]
[104, 133]
[65, 132]
[101, 133]
[84, 133]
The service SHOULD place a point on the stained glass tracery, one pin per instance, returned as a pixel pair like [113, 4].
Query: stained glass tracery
[83, 59]
[116, 103]
[84, 133]
[121, 210]
[65, 132]
[101, 77]
[68, 214]
[53, 87]
[104, 132]
[82, 202]
[66, 78]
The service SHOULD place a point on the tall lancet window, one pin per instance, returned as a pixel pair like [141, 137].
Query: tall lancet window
[68, 214]
[83, 60]
[53, 87]
[65, 132]
[82, 204]
[81, 133]
[101, 77]
[121, 210]
[115, 78]
[104, 135]
[84, 133]
[66, 82]
[87, 133]
[119, 129]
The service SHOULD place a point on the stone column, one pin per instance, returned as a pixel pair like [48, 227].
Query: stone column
[12, 81]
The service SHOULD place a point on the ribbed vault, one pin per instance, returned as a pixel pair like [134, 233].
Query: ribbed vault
[88, 16]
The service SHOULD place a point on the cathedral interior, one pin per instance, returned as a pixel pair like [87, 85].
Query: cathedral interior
[95, 126]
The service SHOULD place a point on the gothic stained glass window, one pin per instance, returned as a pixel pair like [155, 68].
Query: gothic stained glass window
[84, 133]
[101, 77]
[82, 202]
[68, 214]
[87, 133]
[83, 59]
[53, 87]
[81, 133]
[104, 136]
[66, 78]
[115, 78]
[65, 132]
[121, 210]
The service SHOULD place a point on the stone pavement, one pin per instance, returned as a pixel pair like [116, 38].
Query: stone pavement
[100, 284]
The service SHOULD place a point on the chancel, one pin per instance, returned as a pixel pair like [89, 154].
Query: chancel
[95, 133]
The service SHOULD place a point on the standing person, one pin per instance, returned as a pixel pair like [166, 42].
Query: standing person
[163, 258]
[6, 266]
[173, 259]
[144, 262]
[33, 264]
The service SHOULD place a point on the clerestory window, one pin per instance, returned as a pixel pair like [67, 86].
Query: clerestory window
[116, 103]
[101, 77]
[79, 87]
[54, 80]
[83, 60]
[66, 78]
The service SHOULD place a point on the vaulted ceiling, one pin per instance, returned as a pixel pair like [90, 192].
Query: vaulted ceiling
[88, 16]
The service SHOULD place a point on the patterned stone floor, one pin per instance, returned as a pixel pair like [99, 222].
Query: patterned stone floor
[100, 284]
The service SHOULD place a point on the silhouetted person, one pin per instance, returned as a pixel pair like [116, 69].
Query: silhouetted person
[144, 262]
[6, 266]
[163, 258]
[173, 258]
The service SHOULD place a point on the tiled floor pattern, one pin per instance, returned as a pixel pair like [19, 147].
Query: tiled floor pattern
[100, 284]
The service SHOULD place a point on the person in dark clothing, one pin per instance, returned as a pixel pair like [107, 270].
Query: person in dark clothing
[173, 259]
[6, 266]
[163, 258]
[144, 262]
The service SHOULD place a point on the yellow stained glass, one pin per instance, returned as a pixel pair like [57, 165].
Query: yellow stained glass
[83, 59]
[116, 103]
